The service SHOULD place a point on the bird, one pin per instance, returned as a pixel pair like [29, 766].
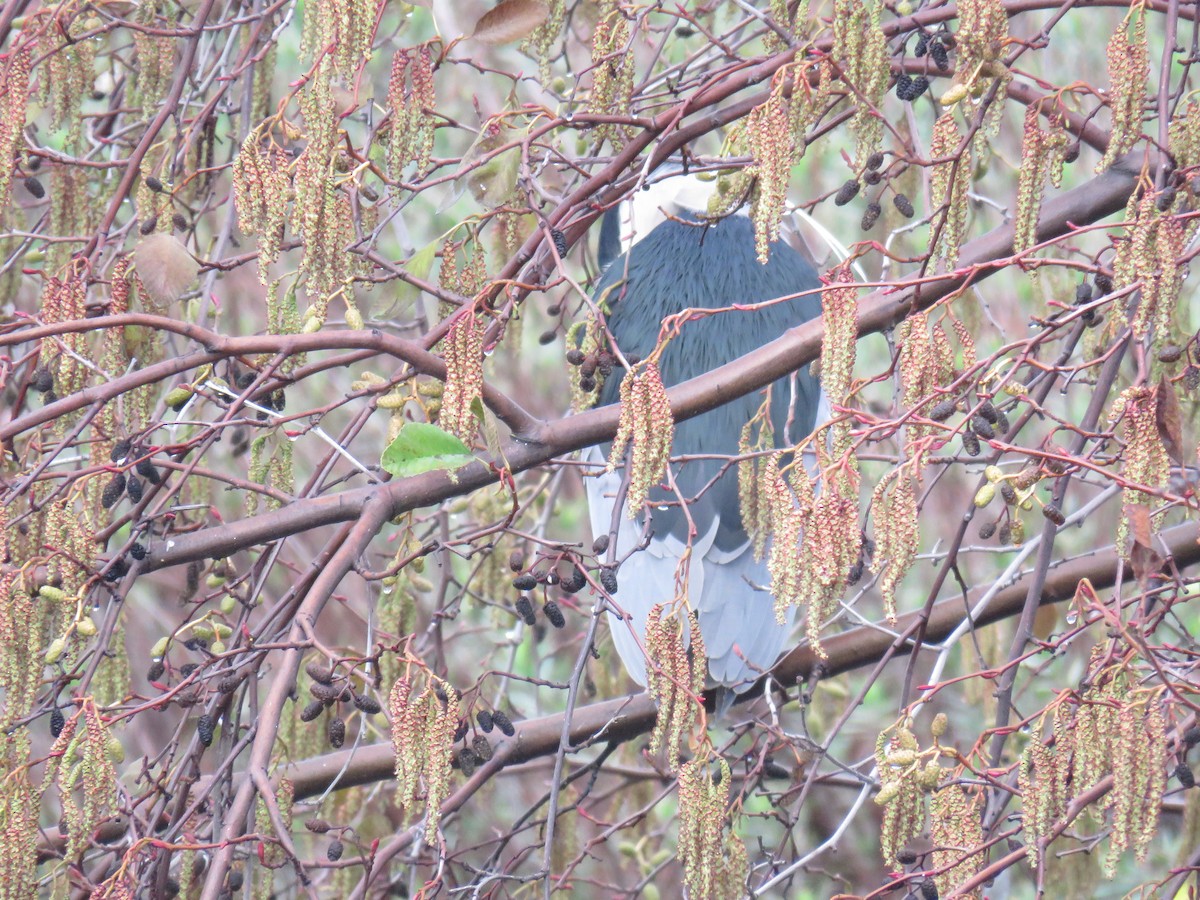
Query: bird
[685, 260]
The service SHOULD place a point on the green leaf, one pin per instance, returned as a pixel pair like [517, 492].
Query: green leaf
[419, 265]
[423, 448]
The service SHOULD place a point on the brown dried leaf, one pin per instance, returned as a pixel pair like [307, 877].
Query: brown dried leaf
[1143, 558]
[1146, 564]
[1139, 523]
[1169, 418]
[510, 21]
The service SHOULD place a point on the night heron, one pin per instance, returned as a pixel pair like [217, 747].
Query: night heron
[678, 264]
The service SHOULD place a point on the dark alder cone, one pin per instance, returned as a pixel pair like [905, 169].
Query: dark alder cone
[367, 704]
[942, 411]
[922, 45]
[149, 225]
[971, 442]
[1054, 514]
[113, 491]
[134, 488]
[467, 761]
[575, 582]
[906, 857]
[547, 337]
[482, 748]
[986, 530]
[204, 729]
[1191, 378]
[154, 184]
[460, 730]
[554, 614]
[235, 880]
[35, 187]
[1026, 478]
[1191, 737]
[327, 693]
[856, 572]
[1170, 353]
[608, 579]
[1083, 293]
[987, 410]
[525, 610]
[146, 469]
[516, 560]
[929, 889]
[1165, 199]
[575, 356]
[525, 582]
[1072, 153]
[137, 551]
[334, 852]
[920, 85]
[560, 241]
[43, 380]
[772, 769]
[875, 160]
[503, 723]
[188, 669]
[600, 544]
[180, 223]
[336, 732]
[317, 826]
[871, 216]
[156, 671]
[57, 722]
[116, 570]
[1183, 774]
[319, 673]
[196, 644]
[940, 56]
[904, 205]
[120, 450]
[872, 177]
[904, 86]
[983, 427]
[1009, 493]
[484, 718]
[1005, 534]
[587, 384]
[1001, 422]
[846, 193]
[1103, 283]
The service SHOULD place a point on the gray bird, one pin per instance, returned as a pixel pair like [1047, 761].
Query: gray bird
[676, 266]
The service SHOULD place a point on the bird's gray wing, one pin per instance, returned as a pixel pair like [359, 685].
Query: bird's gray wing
[681, 266]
